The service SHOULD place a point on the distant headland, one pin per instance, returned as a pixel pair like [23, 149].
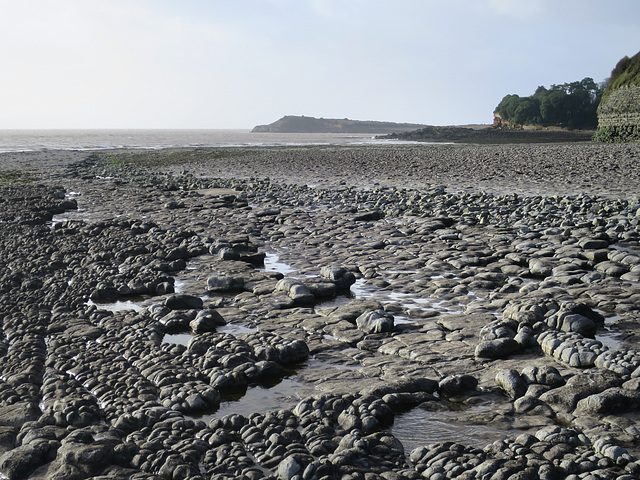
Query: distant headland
[302, 124]
[425, 133]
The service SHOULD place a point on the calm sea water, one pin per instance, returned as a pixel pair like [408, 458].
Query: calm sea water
[35, 140]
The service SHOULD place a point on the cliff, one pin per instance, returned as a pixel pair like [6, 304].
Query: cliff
[302, 124]
[619, 110]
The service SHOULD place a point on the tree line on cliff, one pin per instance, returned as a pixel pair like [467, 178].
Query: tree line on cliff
[571, 105]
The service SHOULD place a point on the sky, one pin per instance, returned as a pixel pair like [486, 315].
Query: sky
[210, 64]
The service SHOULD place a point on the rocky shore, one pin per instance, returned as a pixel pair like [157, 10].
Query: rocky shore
[489, 287]
[493, 136]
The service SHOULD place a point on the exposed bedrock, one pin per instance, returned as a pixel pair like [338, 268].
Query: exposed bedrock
[513, 313]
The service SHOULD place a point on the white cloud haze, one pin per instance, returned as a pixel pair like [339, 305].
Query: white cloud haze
[221, 64]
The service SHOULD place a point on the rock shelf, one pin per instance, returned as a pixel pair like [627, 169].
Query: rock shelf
[410, 292]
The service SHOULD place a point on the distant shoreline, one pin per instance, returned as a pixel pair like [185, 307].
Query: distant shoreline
[302, 124]
[153, 139]
[473, 134]
[492, 135]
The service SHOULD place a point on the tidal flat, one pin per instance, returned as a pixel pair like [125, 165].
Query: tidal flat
[321, 312]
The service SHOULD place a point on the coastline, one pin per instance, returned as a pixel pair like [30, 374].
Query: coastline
[154, 139]
[490, 135]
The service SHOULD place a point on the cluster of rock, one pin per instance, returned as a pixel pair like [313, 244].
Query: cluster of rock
[86, 392]
[563, 170]
[553, 452]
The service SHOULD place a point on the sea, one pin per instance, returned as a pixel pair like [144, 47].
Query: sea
[42, 140]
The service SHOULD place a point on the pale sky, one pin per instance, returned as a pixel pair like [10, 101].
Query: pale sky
[240, 63]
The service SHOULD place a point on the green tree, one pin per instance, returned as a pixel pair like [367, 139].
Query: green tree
[527, 112]
[570, 105]
[507, 107]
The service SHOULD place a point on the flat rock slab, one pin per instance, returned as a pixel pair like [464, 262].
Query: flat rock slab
[16, 415]
[218, 192]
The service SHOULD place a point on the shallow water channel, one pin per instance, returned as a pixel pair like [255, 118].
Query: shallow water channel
[418, 427]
